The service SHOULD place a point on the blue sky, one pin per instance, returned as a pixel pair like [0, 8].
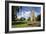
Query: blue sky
[25, 11]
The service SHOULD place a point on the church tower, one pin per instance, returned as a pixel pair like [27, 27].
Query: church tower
[33, 16]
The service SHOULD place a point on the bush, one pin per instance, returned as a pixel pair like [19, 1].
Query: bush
[14, 22]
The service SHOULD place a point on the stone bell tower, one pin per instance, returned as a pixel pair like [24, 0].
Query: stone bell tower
[33, 16]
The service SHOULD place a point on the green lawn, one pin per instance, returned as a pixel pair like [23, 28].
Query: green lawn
[21, 25]
[37, 24]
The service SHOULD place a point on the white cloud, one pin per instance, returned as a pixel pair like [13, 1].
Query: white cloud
[18, 17]
[27, 14]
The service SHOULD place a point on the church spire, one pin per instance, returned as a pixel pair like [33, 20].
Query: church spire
[33, 15]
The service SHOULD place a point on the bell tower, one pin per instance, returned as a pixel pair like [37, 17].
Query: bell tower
[33, 16]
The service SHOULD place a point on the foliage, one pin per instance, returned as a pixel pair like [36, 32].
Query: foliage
[14, 22]
[38, 18]
[28, 19]
[22, 19]
[14, 11]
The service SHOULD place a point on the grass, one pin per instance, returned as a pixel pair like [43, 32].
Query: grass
[21, 25]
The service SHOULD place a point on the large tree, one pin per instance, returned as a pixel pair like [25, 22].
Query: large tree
[29, 19]
[14, 12]
[22, 18]
[38, 18]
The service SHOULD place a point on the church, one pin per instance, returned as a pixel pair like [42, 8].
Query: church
[32, 20]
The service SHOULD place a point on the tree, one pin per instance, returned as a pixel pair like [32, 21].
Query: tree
[14, 12]
[29, 19]
[22, 18]
[38, 18]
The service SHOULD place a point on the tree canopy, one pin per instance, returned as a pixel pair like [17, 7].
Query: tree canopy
[38, 18]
